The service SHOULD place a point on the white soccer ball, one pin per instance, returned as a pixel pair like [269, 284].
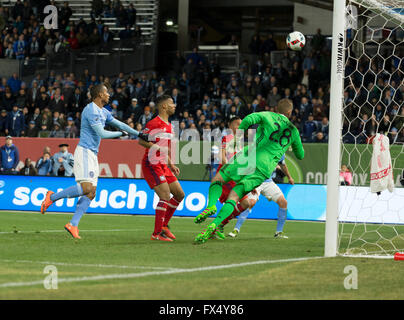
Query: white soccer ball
[295, 41]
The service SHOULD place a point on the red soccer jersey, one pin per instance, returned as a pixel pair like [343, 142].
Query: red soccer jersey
[228, 145]
[160, 133]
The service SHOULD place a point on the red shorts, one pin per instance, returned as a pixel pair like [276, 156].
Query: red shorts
[226, 188]
[155, 174]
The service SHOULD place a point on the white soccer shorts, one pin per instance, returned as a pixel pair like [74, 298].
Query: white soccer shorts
[269, 190]
[85, 167]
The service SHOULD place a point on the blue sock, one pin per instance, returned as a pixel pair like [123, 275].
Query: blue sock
[81, 208]
[281, 219]
[241, 218]
[71, 192]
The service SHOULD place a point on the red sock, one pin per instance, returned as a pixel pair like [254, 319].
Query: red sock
[161, 210]
[171, 207]
[237, 210]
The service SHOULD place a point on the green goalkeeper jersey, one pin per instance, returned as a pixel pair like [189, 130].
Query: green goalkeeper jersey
[275, 134]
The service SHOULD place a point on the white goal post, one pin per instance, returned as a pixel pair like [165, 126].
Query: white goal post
[335, 128]
[392, 11]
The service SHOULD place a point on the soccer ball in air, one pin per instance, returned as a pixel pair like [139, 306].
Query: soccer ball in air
[295, 40]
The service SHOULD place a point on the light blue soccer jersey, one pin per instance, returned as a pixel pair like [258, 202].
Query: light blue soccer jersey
[281, 161]
[92, 115]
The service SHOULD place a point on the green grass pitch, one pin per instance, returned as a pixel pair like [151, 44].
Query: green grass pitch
[115, 259]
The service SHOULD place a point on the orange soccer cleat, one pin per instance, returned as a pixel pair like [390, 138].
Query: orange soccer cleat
[168, 233]
[46, 203]
[160, 236]
[74, 231]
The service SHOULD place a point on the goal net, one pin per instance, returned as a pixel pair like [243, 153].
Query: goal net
[373, 93]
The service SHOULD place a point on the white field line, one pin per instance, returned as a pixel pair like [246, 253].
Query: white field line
[62, 230]
[146, 216]
[262, 235]
[87, 265]
[71, 213]
[154, 273]
[94, 230]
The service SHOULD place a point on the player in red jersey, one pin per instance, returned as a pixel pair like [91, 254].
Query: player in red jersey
[158, 169]
[229, 149]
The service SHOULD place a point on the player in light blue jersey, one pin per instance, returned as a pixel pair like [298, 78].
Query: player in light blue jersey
[269, 190]
[86, 170]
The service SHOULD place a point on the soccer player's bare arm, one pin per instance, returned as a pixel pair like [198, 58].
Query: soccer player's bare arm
[223, 154]
[145, 144]
[162, 149]
[285, 170]
[150, 144]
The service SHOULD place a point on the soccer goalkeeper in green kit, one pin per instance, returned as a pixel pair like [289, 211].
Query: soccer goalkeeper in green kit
[255, 163]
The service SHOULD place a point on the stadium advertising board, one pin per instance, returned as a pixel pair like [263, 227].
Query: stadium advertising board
[133, 196]
[117, 158]
[122, 159]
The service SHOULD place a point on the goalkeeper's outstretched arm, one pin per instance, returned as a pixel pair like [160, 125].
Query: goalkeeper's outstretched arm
[297, 145]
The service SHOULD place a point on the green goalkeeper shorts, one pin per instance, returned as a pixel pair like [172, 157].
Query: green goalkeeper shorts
[247, 179]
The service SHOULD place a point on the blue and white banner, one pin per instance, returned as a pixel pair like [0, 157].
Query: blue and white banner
[133, 196]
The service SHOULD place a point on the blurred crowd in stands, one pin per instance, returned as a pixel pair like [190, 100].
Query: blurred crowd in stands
[206, 98]
[58, 164]
[24, 37]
